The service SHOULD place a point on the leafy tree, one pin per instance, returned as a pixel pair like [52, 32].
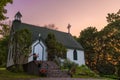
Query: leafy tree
[75, 37]
[86, 39]
[103, 46]
[54, 48]
[4, 32]
[3, 3]
[3, 50]
[21, 43]
[112, 17]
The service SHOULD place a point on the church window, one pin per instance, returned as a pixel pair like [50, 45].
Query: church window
[75, 55]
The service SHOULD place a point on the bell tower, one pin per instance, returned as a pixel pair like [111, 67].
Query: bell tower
[18, 16]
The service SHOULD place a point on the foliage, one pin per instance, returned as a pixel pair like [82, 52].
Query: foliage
[71, 66]
[43, 72]
[54, 48]
[83, 70]
[113, 17]
[21, 43]
[13, 76]
[3, 3]
[57, 60]
[5, 30]
[101, 45]
[24, 76]
[110, 77]
[3, 50]
[86, 39]
[106, 68]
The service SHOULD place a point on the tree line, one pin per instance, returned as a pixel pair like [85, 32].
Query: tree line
[102, 48]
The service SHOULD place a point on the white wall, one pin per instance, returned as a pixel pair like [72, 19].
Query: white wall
[80, 56]
[9, 58]
[38, 49]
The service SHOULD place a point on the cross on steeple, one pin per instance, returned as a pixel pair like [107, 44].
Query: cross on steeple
[68, 27]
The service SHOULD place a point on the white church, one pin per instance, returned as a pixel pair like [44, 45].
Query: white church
[75, 51]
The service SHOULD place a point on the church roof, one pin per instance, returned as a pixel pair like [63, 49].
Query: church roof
[65, 38]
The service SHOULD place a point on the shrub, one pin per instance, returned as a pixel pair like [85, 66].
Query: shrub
[105, 68]
[43, 72]
[118, 69]
[85, 71]
[69, 65]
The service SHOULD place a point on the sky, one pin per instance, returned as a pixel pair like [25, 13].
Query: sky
[79, 13]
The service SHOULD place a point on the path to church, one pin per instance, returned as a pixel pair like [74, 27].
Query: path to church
[62, 79]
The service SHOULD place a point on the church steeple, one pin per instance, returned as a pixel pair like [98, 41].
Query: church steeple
[18, 16]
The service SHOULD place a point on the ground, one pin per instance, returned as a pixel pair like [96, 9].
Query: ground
[6, 75]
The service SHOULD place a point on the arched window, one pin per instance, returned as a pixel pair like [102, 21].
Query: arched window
[75, 55]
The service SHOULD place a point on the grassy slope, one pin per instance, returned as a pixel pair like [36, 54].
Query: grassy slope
[6, 75]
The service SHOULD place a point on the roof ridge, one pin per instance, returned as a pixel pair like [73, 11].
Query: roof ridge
[45, 28]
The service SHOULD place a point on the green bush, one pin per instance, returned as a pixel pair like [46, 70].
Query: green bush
[105, 68]
[85, 71]
[69, 65]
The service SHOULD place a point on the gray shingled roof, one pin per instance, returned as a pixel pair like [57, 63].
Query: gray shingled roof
[65, 38]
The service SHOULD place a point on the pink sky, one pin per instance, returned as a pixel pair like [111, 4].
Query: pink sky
[79, 13]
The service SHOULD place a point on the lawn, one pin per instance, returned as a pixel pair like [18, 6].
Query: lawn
[7, 75]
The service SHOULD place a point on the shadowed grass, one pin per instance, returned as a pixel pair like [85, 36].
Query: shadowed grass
[7, 75]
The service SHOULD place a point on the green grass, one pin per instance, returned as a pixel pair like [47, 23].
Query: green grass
[80, 73]
[7, 75]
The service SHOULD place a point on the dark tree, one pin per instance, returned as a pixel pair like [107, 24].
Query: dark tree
[54, 48]
[3, 3]
[22, 47]
[112, 17]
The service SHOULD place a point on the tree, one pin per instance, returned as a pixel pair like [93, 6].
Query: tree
[3, 3]
[3, 50]
[4, 32]
[51, 26]
[86, 39]
[112, 17]
[54, 48]
[101, 47]
[22, 47]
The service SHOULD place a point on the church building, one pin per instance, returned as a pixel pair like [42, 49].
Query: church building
[75, 51]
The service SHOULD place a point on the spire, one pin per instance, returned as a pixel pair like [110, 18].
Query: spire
[18, 16]
[68, 27]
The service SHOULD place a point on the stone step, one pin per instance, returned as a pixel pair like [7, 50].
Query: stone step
[53, 70]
